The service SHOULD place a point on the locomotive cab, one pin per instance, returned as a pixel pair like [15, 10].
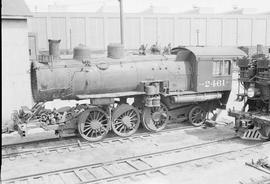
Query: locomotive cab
[212, 68]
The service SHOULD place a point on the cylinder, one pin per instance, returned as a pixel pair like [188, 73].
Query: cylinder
[148, 102]
[156, 101]
[196, 97]
[54, 48]
[157, 86]
[115, 51]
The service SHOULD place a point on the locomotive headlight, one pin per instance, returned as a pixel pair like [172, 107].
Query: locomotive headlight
[251, 92]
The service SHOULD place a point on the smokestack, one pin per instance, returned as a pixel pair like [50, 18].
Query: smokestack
[54, 48]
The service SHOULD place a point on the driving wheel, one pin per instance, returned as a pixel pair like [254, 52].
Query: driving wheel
[125, 120]
[93, 124]
[155, 118]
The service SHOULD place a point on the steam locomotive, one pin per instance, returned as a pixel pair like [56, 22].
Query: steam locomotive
[253, 121]
[125, 91]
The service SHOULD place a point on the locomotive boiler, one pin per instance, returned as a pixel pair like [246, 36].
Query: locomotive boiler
[125, 91]
[253, 121]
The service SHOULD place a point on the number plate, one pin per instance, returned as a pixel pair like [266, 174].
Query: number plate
[213, 83]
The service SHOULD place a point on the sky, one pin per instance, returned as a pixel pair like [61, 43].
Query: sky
[133, 6]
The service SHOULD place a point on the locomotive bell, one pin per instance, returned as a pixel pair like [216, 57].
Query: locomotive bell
[115, 51]
[82, 53]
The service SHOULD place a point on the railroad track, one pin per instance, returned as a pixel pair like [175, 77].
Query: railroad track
[77, 137]
[263, 180]
[81, 144]
[157, 163]
[40, 141]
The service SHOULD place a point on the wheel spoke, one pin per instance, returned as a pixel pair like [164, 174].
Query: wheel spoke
[94, 115]
[103, 120]
[117, 127]
[90, 115]
[86, 129]
[117, 123]
[97, 115]
[89, 132]
[101, 117]
[92, 133]
[86, 126]
[133, 119]
[130, 113]
[87, 121]
[133, 116]
[122, 128]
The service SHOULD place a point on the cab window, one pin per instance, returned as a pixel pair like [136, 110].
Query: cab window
[221, 67]
[227, 67]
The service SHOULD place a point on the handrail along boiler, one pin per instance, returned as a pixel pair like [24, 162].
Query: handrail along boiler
[163, 88]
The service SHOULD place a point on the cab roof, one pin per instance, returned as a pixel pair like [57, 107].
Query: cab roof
[184, 53]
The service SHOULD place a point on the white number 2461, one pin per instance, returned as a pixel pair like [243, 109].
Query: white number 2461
[214, 83]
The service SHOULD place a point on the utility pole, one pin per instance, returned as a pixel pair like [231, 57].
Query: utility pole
[121, 22]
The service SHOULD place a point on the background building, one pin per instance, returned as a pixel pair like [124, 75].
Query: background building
[197, 27]
[16, 90]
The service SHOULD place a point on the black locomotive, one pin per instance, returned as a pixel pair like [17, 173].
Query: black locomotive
[126, 90]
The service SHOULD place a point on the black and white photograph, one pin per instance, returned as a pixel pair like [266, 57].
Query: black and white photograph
[135, 92]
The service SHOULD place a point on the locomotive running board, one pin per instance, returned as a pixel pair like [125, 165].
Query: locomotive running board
[111, 95]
